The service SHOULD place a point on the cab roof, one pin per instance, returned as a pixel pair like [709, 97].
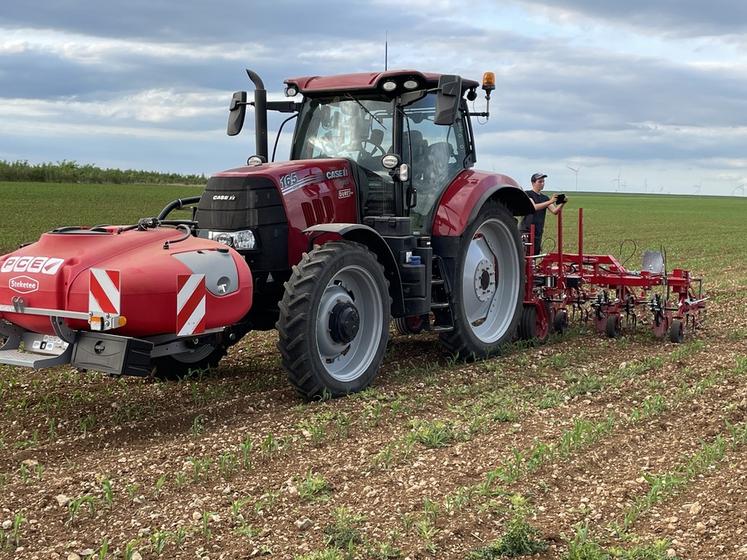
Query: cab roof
[365, 81]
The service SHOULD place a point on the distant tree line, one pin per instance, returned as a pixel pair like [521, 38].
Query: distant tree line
[73, 172]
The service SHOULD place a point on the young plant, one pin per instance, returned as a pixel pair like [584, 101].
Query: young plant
[130, 549]
[207, 516]
[314, 487]
[227, 464]
[266, 501]
[160, 483]
[245, 447]
[132, 490]
[436, 433]
[520, 538]
[159, 540]
[269, 446]
[103, 549]
[343, 533]
[198, 424]
[583, 547]
[107, 491]
[77, 504]
[427, 531]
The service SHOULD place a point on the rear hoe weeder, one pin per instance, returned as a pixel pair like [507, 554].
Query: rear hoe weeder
[599, 289]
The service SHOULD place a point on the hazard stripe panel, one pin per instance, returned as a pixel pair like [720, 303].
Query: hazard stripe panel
[190, 304]
[104, 292]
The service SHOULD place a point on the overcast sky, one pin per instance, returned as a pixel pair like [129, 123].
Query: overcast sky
[637, 96]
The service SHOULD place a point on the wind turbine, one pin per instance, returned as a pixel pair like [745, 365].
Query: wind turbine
[738, 188]
[697, 188]
[575, 172]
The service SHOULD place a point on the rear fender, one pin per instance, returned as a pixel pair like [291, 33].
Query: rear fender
[467, 194]
[359, 233]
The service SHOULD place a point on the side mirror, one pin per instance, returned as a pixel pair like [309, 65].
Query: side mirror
[237, 112]
[447, 100]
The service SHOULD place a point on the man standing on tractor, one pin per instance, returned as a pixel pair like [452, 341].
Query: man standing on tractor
[541, 204]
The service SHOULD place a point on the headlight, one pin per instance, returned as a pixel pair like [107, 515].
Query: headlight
[244, 239]
[241, 240]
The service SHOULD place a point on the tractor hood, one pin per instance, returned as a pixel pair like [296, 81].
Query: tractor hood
[277, 203]
[294, 174]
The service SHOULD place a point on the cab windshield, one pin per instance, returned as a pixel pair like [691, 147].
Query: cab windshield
[344, 126]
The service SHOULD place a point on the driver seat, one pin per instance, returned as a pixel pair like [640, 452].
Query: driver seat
[376, 138]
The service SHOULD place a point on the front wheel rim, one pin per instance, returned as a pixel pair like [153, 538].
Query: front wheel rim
[346, 361]
[491, 281]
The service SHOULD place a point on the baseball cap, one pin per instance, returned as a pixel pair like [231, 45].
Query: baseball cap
[538, 176]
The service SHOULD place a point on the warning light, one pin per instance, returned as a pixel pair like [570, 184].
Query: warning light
[488, 82]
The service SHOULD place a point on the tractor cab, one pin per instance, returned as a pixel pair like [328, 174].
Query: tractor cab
[365, 128]
[406, 134]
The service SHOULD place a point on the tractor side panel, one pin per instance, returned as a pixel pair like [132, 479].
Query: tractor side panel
[466, 194]
[316, 192]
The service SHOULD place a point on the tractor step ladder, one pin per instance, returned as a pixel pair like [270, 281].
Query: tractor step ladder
[39, 351]
[440, 291]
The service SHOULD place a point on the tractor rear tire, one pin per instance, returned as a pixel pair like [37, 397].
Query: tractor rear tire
[488, 290]
[334, 320]
[677, 331]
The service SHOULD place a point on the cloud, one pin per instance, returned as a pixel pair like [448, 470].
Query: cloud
[643, 86]
[685, 18]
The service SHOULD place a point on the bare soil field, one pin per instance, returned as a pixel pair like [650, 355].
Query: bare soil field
[582, 448]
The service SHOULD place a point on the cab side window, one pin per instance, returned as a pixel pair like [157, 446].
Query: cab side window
[436, 152]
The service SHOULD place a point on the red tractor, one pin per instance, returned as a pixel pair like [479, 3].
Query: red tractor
[378, 214]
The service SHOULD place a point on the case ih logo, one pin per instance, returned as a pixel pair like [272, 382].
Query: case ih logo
[44, 265]
[337, 173]
[23, 284]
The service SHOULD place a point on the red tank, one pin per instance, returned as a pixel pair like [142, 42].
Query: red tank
[54, 273]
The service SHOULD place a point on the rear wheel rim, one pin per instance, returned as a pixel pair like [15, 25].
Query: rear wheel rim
[346, 361]
[490, 281]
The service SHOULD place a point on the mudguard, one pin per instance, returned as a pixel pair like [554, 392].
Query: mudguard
[468, 192]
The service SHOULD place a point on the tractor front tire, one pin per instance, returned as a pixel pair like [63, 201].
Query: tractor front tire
[186, 364]
[487, 296]
[334, 320]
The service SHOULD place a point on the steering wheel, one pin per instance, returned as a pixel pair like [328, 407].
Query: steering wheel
[376, 147]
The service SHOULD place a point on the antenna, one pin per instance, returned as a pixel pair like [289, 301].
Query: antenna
[386, 51]
[575, 171]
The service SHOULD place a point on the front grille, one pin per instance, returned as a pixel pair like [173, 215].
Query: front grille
[239, 203]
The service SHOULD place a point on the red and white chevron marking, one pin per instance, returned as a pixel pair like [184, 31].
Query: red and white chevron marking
[104, 292]
[190, 304]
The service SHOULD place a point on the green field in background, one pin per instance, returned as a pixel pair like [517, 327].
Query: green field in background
[704, 234]
[29, 209]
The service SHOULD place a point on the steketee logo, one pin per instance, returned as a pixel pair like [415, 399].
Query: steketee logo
[23, 284]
